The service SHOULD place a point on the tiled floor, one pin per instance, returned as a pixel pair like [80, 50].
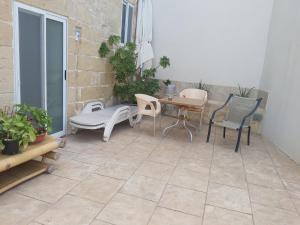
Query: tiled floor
[138, 179]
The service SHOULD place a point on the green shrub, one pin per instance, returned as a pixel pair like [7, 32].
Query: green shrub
[130, 79]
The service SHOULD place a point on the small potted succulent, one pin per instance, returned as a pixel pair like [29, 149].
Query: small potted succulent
[16, 131]
[39, 119]
[170, 89]
[245, 92]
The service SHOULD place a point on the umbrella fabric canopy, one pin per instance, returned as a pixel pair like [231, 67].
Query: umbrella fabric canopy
[144, 32]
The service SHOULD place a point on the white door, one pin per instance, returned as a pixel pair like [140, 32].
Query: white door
[40, 56]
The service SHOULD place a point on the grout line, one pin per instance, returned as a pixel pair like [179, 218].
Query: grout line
[210, 167]
[247, 184]
[281, 179]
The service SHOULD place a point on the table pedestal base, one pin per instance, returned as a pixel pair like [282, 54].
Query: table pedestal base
[181, 120]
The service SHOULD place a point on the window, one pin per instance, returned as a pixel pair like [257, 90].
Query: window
[127, 14]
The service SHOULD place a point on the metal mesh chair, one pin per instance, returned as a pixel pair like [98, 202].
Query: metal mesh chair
[239, 116]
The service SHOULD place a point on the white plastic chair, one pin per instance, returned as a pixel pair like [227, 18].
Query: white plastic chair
[145, 104]
[195, 93]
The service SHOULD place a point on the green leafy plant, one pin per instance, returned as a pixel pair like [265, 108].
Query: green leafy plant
[202, 86]
[167, 82]
[37, 116]
[130, 79]
[17, 127]
[245, 92]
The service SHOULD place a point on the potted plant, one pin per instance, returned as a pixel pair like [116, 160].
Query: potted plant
[130, 79]
[39, 119]
[170, 89]
[202, 86]
[245, 92]
[16, 131]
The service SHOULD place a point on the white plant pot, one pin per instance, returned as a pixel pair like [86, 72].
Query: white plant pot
[170, 90]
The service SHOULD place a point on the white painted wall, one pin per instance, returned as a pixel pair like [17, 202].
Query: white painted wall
[221, 42]
[281, 78]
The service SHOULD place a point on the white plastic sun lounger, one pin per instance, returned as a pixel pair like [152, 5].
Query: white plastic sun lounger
[95, 116]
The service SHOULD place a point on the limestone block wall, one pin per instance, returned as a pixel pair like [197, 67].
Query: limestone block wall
[89, 76]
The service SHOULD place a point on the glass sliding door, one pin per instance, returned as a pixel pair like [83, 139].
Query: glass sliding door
[30, 50]
[55, 72]
[40, 53]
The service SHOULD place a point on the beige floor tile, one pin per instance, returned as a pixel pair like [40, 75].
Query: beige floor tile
[144, 187]
[155, 170]
[46, 187]
[271, 197]
[127, 210]
[227, 159]
[34, 223]
[165, 156]
[113, 147]
[73, 169]
[229, 176]
[218, 216]
[99, 222]
[190, 179]
[255, 157]
[273, 216]
[263, 175]
[184, 200]
[293, 189]
[99, 158]
[70, 210]
[117, 169]
[16, 209]
[290, 173]
[97, 188]
[297, 204]
[194, 164]
[163, 216]
[228, 197]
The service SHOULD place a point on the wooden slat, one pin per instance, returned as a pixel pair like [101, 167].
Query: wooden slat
[21, 173]
[33, 151]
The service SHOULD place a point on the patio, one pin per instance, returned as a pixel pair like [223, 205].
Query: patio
[138, 179]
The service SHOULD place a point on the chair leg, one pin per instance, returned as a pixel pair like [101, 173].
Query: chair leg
[201, 119]
[209, 131]
[224, 132]
[249, 133]
[238, 140]
[154, 125]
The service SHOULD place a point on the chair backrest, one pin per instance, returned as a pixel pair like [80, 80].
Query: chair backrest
[194, 93]
[143, 102]
[239, 107]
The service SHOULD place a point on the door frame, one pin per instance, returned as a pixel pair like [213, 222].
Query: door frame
[44, 15]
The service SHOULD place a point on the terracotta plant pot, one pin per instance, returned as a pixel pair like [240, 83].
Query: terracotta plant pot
[39, 138]
[11, 147]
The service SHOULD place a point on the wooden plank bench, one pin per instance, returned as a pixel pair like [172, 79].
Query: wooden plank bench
[15, 169]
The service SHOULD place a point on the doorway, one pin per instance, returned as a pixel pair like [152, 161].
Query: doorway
[40, 60]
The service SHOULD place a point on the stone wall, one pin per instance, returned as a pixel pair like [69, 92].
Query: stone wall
[89, 77]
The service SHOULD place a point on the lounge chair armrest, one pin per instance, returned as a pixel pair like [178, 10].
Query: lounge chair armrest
[92, 107]
[258, 101]
[218, 109]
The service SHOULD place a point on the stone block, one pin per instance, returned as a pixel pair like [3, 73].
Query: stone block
[6, 99]
[91, 63]
[6, 34]
[72, 62]
[6, 57]
[6, 81]
[88, 48]
[91, 93]
[5, 10]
